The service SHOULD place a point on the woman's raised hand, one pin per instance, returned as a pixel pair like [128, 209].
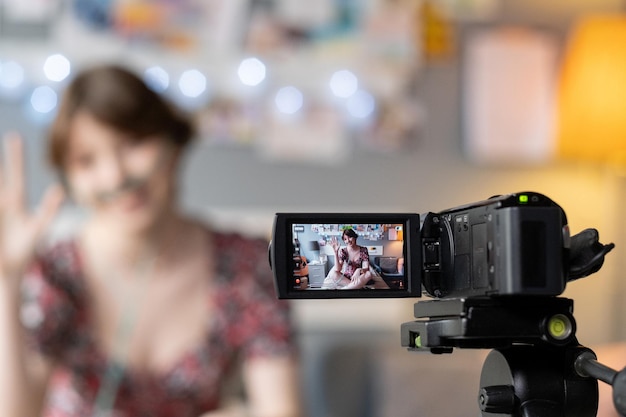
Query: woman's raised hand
[20, 230]
[334, 243]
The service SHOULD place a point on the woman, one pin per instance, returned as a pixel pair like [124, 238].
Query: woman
[356, 273]
[144, 310]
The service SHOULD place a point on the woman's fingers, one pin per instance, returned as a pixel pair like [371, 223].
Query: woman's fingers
[13, 184]
[20, 230]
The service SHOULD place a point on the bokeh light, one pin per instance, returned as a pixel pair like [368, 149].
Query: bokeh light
[361, 104]
[11, 75]
[251, 71]
[43, 99]
[57, 67]
[192, 83]
[343, 83]
[157, 78]
[289, 100]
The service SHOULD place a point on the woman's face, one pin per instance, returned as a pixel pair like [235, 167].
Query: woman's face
[349, 241]
[120, 178]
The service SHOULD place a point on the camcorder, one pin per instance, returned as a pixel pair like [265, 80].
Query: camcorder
[511, 245]
[492, 270]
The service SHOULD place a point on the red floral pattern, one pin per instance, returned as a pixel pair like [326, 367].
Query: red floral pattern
[353, 264]
[248, 321]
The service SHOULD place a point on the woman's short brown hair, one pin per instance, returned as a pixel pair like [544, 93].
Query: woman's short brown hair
[350, 233]
[119, 98]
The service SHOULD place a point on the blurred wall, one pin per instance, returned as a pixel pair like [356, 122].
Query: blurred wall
[236, 188]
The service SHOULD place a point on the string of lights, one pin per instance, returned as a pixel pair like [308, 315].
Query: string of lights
[38, 89]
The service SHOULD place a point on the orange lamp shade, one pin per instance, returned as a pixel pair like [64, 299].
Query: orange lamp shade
[591, 112]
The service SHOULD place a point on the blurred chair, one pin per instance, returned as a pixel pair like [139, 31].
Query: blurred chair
[390, 268]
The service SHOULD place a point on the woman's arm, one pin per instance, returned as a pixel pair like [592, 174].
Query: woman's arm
[365, 258]
[272, 385]
[334, 243]
[23, 374]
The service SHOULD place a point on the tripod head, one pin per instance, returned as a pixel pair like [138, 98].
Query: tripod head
[537, 368]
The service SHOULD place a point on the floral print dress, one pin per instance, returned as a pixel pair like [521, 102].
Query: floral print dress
[356, 263]
[248, 321]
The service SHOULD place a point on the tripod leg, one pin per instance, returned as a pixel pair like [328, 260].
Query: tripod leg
[534, 381]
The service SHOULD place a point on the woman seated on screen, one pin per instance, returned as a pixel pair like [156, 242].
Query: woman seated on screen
[356, 259]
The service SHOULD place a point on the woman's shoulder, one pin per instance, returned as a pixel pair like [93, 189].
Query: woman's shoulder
[232, 239]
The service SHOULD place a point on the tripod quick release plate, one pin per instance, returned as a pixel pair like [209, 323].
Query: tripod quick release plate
[490, 322]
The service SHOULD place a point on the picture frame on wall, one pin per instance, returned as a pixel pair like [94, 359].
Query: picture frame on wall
[31, 19]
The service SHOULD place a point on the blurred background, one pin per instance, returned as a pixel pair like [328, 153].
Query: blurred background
[361, 106]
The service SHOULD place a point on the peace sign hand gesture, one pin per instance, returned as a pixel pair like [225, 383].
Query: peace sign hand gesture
[20, 231]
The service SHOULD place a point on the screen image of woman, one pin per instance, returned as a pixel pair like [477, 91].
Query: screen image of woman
[352, 265]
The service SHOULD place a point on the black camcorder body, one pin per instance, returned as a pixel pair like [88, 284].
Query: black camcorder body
[514, 244]
[509, 245]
